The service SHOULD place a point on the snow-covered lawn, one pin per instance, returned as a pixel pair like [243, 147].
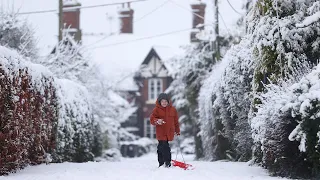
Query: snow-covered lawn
[144, 168]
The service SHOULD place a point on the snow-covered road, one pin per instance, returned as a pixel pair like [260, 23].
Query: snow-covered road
[144, 168]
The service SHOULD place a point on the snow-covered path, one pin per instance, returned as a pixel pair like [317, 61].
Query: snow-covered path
[143, 168]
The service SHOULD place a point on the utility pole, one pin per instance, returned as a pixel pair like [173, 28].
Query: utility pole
[60, 19]
[216, 44]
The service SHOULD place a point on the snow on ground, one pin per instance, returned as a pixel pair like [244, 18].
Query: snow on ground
[141, 168]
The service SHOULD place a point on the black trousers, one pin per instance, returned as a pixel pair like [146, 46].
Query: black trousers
[164, 153]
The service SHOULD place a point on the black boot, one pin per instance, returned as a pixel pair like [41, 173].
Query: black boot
[164, 153]
[167, 154]
[161, 164]
[160, 153]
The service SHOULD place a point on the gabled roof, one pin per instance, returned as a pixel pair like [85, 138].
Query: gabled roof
[164, 54]
[152, 53]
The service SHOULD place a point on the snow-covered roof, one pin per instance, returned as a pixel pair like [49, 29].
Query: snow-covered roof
[70, 2]
[166, 54]
[197, 2]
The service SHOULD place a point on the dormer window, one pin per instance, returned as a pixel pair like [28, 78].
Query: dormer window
[155, 88]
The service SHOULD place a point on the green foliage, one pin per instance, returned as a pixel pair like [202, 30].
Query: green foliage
[311, 126]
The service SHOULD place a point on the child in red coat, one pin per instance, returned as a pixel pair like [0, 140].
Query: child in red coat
[165, 117]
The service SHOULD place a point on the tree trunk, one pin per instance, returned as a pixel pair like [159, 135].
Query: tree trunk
[195, 130]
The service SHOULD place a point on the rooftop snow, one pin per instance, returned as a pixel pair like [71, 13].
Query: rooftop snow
[196, 2]
[70, 2]
[166, 53]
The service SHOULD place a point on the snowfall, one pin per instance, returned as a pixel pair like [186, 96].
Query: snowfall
[141, 168]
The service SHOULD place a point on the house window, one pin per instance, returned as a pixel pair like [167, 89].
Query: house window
[149, 130]
[155, 88]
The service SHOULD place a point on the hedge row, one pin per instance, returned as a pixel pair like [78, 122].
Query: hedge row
[35, 113]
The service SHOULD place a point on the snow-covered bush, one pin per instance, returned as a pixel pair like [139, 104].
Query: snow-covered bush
[207, 114]
[236, 87]
[28, 112]
[287, 126]
[285, 35]
[76, 126]
[191, 70]
[224, 104]
[17, 34]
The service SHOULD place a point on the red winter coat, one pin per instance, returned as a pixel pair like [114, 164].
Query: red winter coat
[170, 116]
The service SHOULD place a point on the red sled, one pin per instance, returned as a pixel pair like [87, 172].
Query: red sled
[182, 165]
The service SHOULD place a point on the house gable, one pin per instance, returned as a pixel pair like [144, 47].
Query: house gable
[153, 66]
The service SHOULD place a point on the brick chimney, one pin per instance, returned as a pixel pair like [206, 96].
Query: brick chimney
[126, 18]
[198, 8]
[71, 18]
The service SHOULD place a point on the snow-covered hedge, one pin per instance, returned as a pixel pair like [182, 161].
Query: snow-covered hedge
[42, 117]
[224, 105]
[237, 84]
[285, 35]
[76, 126]
[190, 70]
[28, 112]
[282, 42]
[287, 125]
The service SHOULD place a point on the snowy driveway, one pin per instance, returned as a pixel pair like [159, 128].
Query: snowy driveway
[144, 168]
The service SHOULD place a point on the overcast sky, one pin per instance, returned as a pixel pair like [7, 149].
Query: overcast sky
[170, 17]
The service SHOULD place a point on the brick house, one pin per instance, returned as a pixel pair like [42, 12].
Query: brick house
[153, 79]
[152, 75]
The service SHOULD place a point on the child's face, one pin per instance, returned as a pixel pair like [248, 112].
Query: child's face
[164, 103]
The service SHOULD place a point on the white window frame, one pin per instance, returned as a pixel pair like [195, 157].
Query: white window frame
[152, 130]
[156, 90]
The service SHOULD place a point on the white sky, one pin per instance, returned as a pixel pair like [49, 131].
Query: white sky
[166, 19]
[125, 57]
